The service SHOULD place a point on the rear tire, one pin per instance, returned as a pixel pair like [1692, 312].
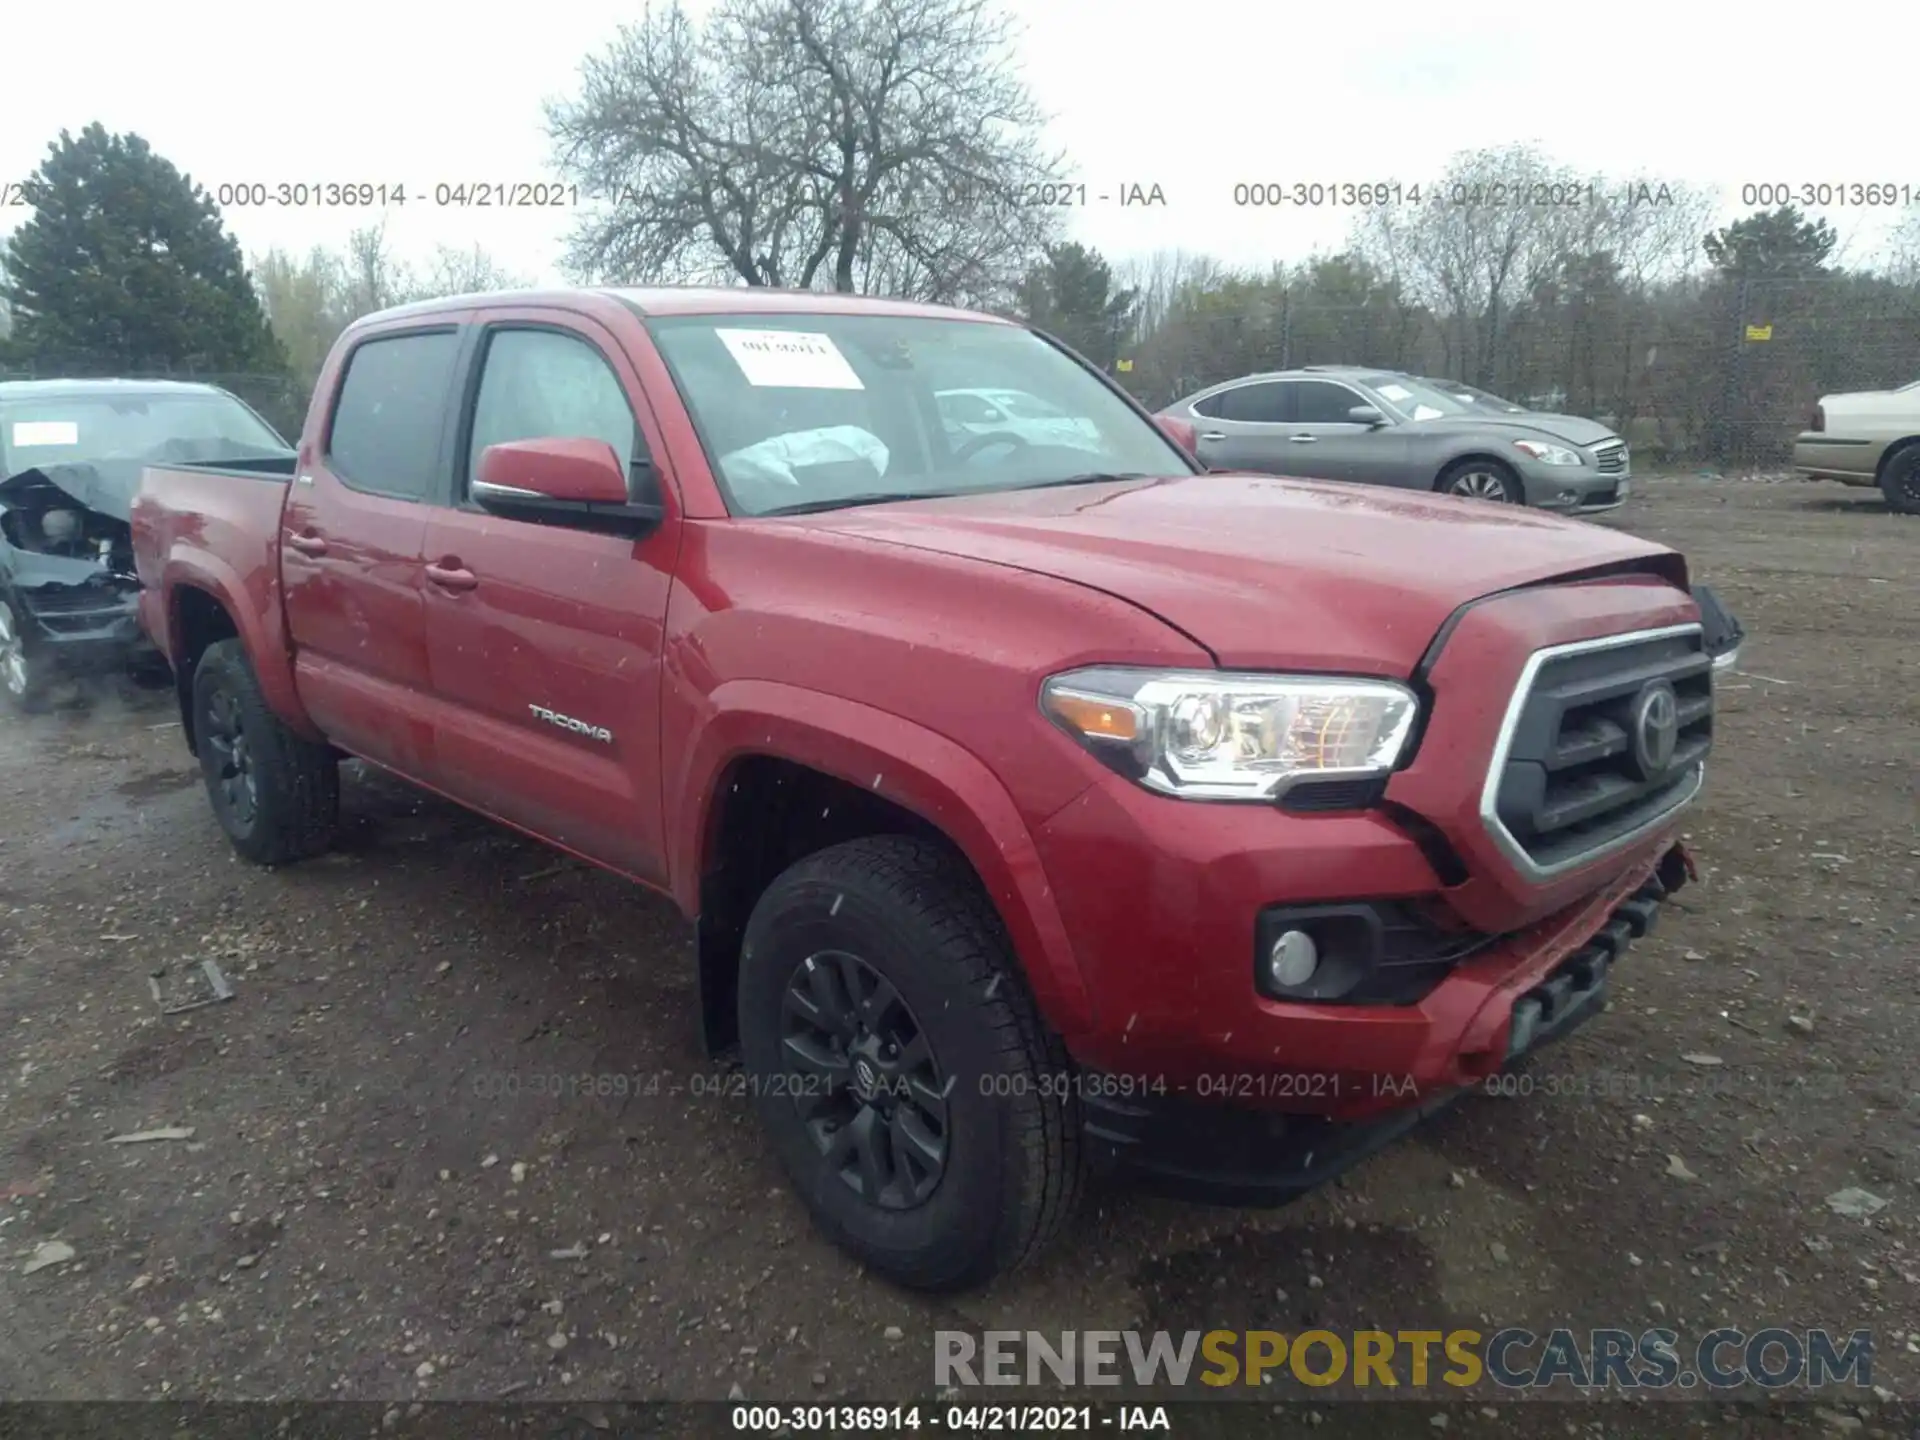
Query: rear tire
[1900, 481]
[275, 793]
[1482, 480]
[886, 952]
[24, 679]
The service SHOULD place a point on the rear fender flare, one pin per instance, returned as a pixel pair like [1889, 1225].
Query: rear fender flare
[903, 762]
[260, 627]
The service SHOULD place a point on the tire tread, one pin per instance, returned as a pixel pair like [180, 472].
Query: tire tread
[299, 819]
[943, 895]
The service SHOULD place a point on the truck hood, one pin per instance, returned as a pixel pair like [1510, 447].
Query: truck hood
[1567, 429]
[1264, 572]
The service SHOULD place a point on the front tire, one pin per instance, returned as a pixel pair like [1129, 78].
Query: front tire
[1482, 480]
[275, 793]
[1900, 481]
[23, 672]
[909, 1085]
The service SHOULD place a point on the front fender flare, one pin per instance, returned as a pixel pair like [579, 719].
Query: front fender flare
[901, 761]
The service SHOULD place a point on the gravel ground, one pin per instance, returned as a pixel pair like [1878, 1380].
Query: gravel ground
[382, 1199]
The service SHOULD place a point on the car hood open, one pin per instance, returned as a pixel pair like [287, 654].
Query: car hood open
[106, 487]
[1267, 572]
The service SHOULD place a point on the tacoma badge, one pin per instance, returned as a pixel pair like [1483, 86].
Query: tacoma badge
[578, 727]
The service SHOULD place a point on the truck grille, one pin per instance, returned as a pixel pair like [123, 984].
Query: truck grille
[1604, 739]
[1611, 456]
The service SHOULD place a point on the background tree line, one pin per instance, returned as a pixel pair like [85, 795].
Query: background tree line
[882, 147]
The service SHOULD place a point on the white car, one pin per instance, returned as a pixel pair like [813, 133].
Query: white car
[971, 414]
[1866, 437]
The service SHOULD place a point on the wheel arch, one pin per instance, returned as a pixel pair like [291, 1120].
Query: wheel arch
[777, 750]
[1480, 454]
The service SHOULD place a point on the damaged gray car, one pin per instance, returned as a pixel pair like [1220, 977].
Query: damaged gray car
[71, 452]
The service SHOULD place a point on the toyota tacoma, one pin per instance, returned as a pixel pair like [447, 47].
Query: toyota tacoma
[1042, 803]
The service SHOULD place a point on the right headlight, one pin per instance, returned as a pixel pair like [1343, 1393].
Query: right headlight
[1218, 735]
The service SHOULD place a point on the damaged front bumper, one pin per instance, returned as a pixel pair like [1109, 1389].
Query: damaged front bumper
[88, 627]
[73, 593]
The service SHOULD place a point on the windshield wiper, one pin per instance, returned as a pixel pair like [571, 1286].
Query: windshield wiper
[1092, 477]
[839, 502]
[813, 507]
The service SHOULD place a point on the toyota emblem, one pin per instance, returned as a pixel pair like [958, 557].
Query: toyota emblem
[1655, 729]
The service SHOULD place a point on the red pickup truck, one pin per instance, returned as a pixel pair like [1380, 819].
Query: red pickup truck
[1043, 801]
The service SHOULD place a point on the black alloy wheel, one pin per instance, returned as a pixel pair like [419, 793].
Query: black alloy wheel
[871, 1095]
[230, 760]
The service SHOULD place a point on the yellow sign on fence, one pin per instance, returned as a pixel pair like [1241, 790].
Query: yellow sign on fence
[1759, 332]
[1125, 366]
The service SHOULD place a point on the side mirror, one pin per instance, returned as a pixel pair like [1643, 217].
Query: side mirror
[1182, 432]
[580, 471]
[567, 480]
[1367, 415]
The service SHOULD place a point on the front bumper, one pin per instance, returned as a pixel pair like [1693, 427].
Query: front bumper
[1228, 1146]
[78, 633]
[1574, 491]
[1163, 898]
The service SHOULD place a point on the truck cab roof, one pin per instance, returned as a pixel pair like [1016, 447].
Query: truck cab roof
[684, 300]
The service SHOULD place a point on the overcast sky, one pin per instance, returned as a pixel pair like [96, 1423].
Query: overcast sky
[1193, 96]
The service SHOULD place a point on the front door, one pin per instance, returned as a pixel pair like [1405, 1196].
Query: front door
[352, 547]
[545, 640]
[1334, 445]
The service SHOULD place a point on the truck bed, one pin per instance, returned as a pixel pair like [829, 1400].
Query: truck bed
[209, 520]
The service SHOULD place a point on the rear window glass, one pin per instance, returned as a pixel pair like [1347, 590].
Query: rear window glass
[388, 418]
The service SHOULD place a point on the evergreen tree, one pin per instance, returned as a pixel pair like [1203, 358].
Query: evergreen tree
[1072, 295]
[125, 266]
[1772, 244]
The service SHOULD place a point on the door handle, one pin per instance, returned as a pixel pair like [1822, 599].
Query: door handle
[1212, 435]
[450, 574]
[308, 543]
[1303, 439]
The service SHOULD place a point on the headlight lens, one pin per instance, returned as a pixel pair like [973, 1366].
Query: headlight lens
[1214, 735]
[1548, 454]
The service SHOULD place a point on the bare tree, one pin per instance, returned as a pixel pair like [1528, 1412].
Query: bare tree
[1159, 278]
[311, 300]
[1493, 229]
[844, 144]
[460, 272]
[1903, 248]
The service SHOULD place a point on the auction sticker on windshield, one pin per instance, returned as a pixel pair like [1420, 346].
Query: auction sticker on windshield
[45, 432]
[795, 359]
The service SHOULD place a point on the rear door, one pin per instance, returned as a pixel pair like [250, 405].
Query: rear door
[1246, 427]
[352, 544]
[545, 640]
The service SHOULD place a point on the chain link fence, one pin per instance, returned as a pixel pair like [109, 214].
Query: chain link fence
[1719, 371]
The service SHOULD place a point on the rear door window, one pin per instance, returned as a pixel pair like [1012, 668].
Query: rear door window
[391, 411]
[1267, 403]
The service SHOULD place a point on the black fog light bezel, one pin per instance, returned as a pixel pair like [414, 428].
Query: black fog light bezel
[1371, 952]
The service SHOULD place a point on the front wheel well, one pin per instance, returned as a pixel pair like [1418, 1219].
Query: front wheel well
[199, 621]
[1898, 447]
[1476, 457]
[771, 814]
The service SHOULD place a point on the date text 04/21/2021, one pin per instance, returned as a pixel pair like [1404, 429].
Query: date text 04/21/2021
[954, 1419]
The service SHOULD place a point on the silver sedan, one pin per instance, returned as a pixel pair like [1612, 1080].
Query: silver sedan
[1379, 427]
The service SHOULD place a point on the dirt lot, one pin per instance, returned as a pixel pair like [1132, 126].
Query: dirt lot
[376, 1204]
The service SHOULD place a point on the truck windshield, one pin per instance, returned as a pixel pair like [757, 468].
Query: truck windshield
[810, 411]
[60, 429]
